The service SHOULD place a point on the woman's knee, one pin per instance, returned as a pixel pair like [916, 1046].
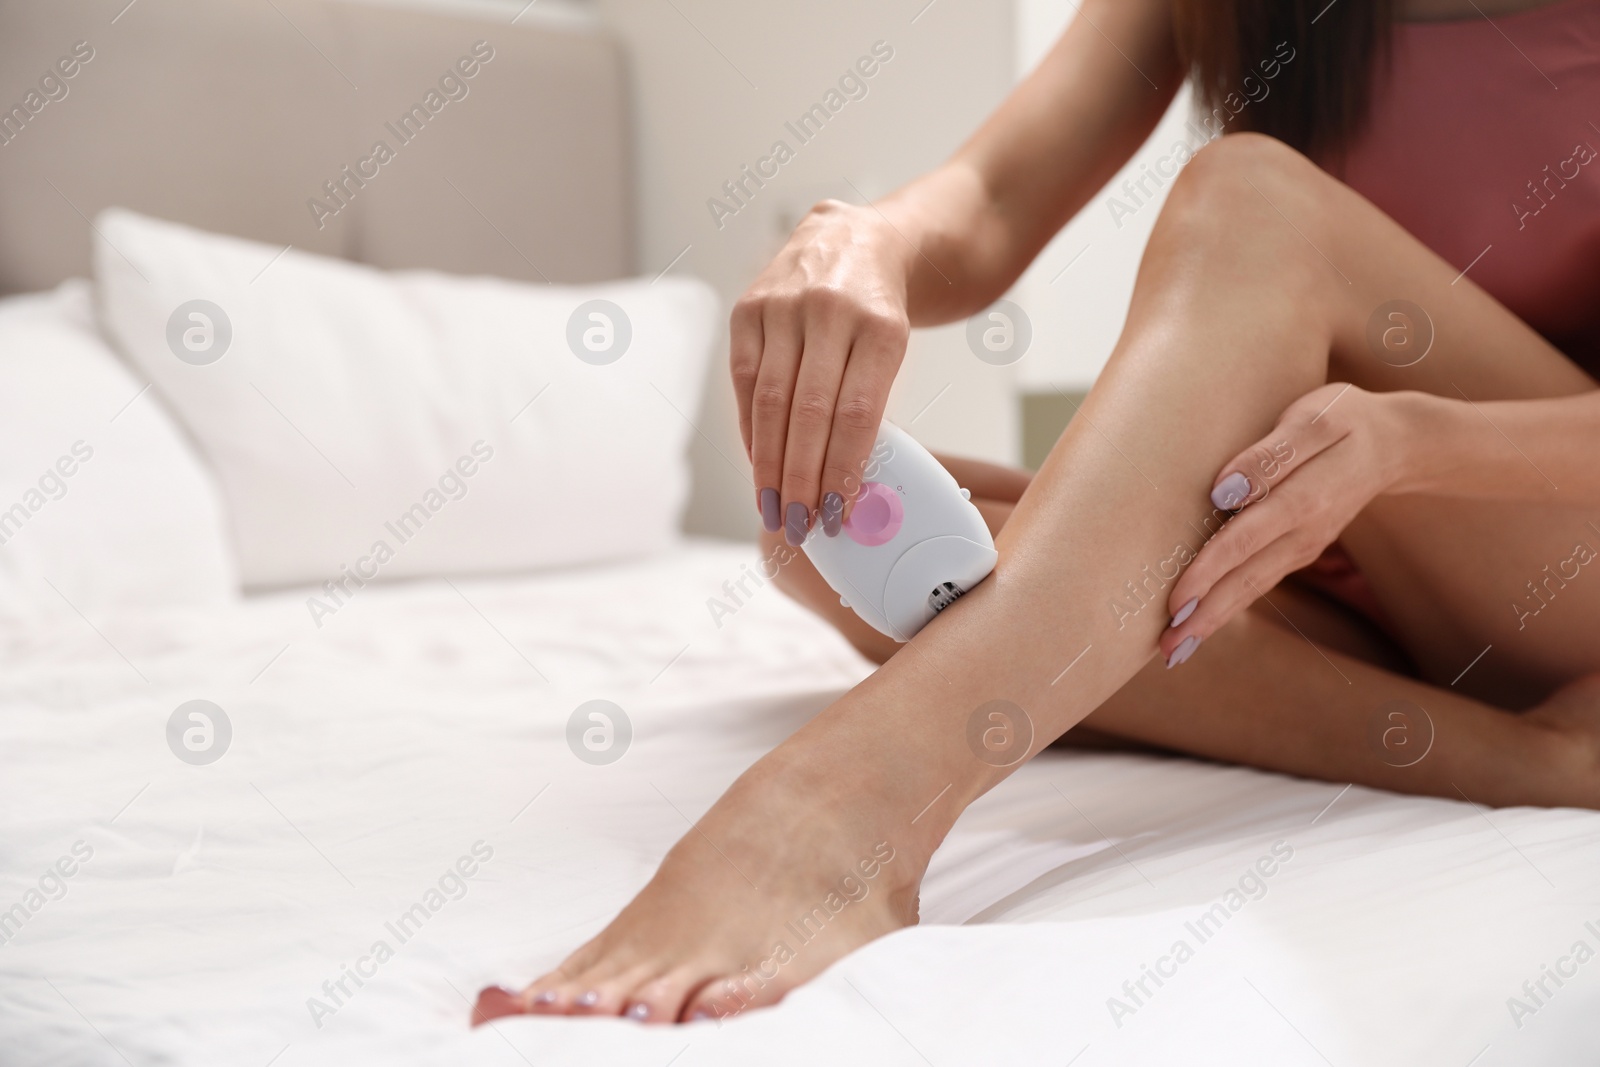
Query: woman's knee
[1236, 168]
[1248, 218]
[1241, 191]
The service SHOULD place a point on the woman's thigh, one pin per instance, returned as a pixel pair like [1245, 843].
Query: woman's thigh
[1446, 571]
[1453, 574]
[1476, 594]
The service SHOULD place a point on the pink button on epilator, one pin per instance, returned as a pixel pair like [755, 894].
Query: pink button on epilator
[877, 516]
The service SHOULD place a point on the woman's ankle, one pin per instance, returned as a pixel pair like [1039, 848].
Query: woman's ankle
[870, 808]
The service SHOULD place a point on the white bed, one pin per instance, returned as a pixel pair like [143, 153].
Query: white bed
[369, 757]
[156, 912]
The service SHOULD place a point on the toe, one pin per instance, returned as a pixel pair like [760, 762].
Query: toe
[551, 994]
[494, 1003]
[727, 995]
[600, 993]
[662, 999]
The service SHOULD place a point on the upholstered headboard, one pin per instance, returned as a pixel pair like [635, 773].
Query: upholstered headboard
[234, 115]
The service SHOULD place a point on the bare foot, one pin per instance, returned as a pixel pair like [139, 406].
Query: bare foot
[799, 863]
[1572, 716]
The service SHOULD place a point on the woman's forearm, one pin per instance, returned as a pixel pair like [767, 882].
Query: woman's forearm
[955, 249]
[971, 226]
[1505, 449]
[816, 341]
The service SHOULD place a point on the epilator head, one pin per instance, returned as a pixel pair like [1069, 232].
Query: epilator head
[912, 545]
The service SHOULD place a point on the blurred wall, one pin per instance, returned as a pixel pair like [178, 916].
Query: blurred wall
[1077, 292]
[714, 83]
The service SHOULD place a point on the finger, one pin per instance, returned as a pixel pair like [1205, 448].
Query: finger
[811, 415]
[1241, 537]
[1235, 592]
[1303, 431]
[863, 394]
[744, 360]
[769, 403]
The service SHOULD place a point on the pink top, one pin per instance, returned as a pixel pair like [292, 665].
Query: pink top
[1482, 142]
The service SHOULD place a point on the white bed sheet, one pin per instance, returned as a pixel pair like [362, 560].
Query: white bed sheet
[370, 754]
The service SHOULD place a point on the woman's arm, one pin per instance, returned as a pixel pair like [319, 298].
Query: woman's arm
[1504, 449]
[984, 215]
[1336, 449]
[817, 340]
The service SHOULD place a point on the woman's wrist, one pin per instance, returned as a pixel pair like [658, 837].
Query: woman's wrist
[1434, 442]
[951, 249]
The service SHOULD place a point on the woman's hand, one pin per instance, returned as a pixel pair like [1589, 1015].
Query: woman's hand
[1333, 451]
[815, 344]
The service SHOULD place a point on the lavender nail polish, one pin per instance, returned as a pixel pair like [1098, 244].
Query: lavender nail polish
[589, 999]
[639, 1010]
[547, 997]
[1231, 493]
[1184, 650]
[1184, 612]
[796, 524]
[832, 513]
[769, 511]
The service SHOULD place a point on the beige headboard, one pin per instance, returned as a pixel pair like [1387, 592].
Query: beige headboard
[232, 115]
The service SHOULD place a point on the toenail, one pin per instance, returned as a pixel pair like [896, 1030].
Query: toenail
[547, 997]
[589, 999]
[699, 1013]
[639, 1010]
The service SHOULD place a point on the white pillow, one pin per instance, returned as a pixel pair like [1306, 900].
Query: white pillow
[100, 496]
[346, 398]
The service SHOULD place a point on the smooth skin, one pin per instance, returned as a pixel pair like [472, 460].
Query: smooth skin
[1253, 296]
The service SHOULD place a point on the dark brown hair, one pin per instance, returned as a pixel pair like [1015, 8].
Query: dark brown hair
[1315, 100]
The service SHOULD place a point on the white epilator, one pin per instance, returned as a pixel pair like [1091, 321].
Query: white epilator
[912, 545]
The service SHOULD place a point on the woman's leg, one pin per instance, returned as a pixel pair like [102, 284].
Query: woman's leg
[1297, 684]
[820, 846]
[995, 491]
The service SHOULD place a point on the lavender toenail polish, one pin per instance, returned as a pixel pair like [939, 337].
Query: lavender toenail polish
[1232, 492]
[589, 999]
[770, 520]
[1185, 611]
[699, 1013]
[639, 1010]
[1184, 650]
[547, 997]
[797, 524]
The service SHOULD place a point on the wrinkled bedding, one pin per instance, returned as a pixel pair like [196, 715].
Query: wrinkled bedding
[402, 774]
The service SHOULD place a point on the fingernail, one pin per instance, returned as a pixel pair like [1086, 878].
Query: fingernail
[1185, 611]
[589, 999]
[769, 510]
[832, 512]
[639, 1010]
[795, 526]
[1231, 493]
[547, 997]
[1184, 650]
